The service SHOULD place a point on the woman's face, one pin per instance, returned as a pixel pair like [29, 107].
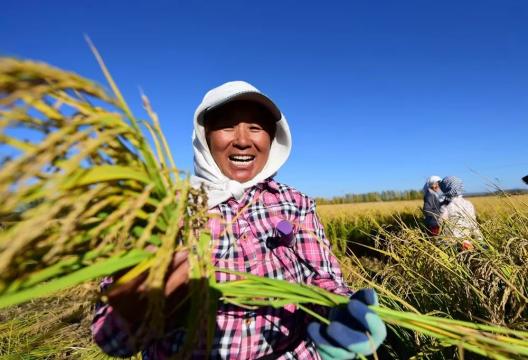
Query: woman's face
[436, 187]
[239, 136]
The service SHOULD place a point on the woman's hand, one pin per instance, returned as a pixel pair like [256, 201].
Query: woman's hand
[178, 273]
[354, 329]
[130, 300]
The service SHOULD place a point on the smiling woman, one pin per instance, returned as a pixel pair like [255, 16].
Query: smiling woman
[239, 135]
[258, 227]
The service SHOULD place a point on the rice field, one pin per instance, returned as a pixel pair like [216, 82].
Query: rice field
[361, 222]
[383, 245]
[485, 205]
[488, 286]
[90, 197]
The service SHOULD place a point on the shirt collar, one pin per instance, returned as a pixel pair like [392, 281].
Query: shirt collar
[268, 184]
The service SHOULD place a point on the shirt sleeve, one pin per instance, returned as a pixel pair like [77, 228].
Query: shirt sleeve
[111, 332]
[313, 246]
[431, 205]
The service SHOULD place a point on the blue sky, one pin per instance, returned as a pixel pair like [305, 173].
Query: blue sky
[379, 94]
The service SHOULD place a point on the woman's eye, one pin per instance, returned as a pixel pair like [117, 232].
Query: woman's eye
[255, 128]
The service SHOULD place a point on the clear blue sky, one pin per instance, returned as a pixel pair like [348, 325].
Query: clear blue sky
[379, 94]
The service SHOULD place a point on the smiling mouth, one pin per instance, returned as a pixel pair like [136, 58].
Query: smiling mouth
[241, 160]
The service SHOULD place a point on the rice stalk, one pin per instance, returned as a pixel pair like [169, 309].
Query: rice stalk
[88, 193]
[84, 195]
[492, 341]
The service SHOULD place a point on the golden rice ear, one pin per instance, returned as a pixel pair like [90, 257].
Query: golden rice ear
[84, 194]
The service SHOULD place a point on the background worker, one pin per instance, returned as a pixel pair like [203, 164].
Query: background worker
[432, 203]
[458, 216]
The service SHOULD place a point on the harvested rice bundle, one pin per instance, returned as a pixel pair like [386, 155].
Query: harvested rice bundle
[83, 192]
[492, 341]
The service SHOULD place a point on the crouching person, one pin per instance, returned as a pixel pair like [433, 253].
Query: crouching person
[240, 140]
[458, 216]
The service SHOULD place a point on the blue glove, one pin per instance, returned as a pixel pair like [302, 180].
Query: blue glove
[354, 329]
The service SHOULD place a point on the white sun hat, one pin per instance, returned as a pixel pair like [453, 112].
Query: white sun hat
[231, 91]
[433, 179]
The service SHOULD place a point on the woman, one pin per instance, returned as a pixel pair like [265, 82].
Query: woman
[457, 214]
[431, 207]
[240, 141]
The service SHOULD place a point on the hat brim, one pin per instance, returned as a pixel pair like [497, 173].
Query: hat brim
[246, 96]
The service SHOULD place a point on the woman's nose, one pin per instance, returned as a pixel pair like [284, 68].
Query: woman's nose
[242, 138]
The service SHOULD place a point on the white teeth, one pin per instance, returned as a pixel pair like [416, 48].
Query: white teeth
[243, 158]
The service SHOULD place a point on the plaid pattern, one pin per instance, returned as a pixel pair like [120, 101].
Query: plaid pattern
[244, 239]
[452, 186]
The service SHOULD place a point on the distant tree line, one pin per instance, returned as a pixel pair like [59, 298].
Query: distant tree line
[388, 195]
[392, 195]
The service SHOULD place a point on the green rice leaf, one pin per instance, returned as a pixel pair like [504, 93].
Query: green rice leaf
[102, 268]
[104, 173]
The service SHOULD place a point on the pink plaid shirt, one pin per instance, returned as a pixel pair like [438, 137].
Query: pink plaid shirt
[244, 239]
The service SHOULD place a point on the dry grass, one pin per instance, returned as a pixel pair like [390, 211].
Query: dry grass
[53, 328]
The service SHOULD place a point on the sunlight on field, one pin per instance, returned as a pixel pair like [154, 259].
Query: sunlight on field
[485, 205]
